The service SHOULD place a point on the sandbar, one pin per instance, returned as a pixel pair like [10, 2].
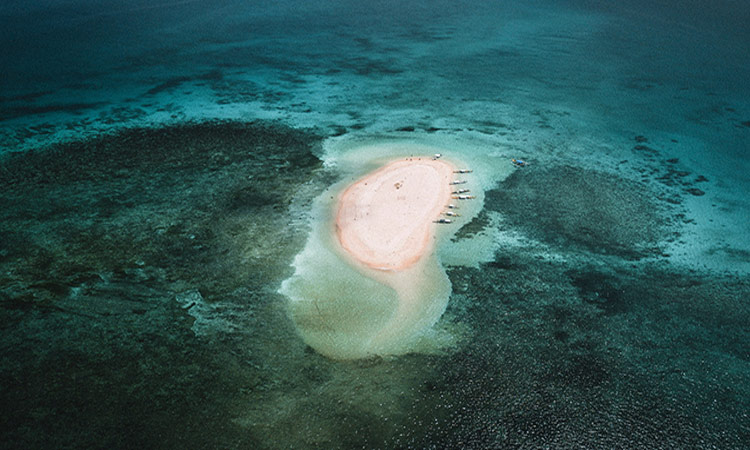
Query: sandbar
[386, 220]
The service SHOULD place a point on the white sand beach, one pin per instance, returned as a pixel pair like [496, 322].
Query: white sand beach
[386, 219]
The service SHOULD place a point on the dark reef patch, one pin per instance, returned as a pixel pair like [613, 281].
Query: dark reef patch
[167, 85]
[701, 179]
[733, 253]
[173, 82]
[649, 152]
[13, 111]
[337, 130]
[597, 211]
[200, 147]
[101, 236]
[371, 67]
[567, 356]
[477, 224]
[600, 290]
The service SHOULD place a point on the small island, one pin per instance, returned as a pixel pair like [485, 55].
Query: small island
[387, 219]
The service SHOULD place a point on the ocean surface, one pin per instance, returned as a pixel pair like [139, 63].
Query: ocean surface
[160, 167]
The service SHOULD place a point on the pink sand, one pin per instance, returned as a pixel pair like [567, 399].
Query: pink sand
[385, 220]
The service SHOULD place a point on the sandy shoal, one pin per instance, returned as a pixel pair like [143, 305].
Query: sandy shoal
[386, 219]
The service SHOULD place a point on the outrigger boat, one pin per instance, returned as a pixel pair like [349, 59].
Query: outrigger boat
[451, 214]
[463, 171]
[458, 182]
[464, 197]
[461, 191]
[443, 221]
[452, 206]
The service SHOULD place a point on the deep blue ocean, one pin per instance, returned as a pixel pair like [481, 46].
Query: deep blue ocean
[159, 162]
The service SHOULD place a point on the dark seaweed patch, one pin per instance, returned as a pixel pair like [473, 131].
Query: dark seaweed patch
[477, 224]
[186, 147]
[629, 360]
[173, 82]
[601, 291]
[734, 253]
[596, 211]
[100, 236]
[30, 97]
[338, 130]
[370, 67]
[502, 263]
[251, 197]
[14, 111]
[166, 85]
[645, 149]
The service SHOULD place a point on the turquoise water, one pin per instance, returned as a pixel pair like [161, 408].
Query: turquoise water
[161, 166]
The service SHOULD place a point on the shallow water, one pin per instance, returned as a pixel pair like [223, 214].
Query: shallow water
[160, 167]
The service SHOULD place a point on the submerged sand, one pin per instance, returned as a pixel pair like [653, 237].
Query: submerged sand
[369, 280]
[386, 220]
